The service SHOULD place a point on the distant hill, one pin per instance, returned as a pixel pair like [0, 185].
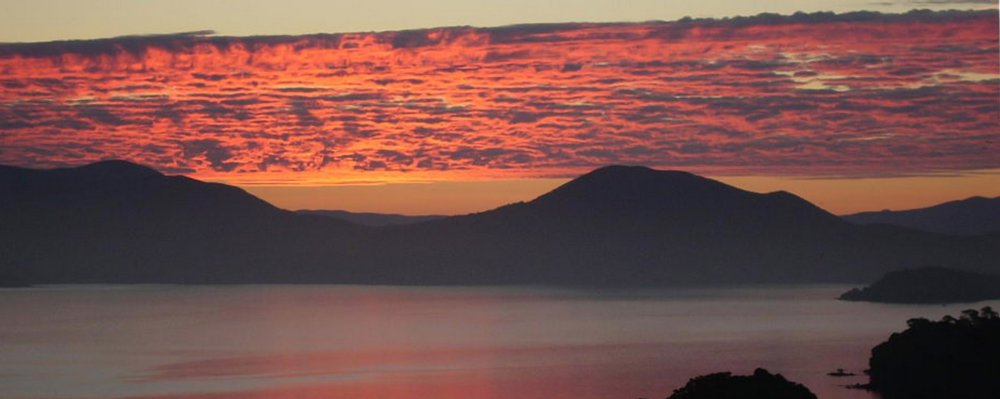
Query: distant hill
[8, 281]
[372, 219]
[972, 216]
[630, 225]
[116, 222]
[929, 285]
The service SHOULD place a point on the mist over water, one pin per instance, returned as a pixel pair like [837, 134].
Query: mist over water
[280, 341]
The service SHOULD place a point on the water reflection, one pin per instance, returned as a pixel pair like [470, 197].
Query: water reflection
[408, 342]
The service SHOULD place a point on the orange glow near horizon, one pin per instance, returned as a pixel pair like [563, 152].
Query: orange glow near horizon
[846, 196]
[806, 96]
[838, 196]
[427, 198]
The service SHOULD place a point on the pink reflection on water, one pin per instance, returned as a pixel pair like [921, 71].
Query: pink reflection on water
[433, 342]
[574, 371]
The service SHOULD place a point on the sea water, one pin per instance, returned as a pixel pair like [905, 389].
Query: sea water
[330, 341]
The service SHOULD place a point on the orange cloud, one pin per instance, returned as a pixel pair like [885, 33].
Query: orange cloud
[861, 94]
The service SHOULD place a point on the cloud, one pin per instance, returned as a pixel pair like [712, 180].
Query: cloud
[805, 94]
[135, 44]
[212, 150]
[952, 2]
[101, 115]
[301, 110]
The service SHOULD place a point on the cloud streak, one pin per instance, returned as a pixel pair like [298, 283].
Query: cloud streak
[808, 94]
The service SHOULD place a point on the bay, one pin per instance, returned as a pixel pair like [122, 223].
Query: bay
[329, 341]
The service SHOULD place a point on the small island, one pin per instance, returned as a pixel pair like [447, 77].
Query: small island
[840, 373]
[762, 384]
[951, 358]
[929, 285]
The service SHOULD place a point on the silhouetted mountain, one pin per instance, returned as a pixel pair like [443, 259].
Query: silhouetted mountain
[372, 219]
[929, 285]
[972, 216]
[761, 384]
[955, 358]
[634, 225]
[117, 222]
[11, 281]
[634, 194]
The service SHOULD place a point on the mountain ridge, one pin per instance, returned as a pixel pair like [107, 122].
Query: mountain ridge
[971, 216]
[613, 226]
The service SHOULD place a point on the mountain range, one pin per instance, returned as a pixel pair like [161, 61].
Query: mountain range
[971, 216]
[117, 222]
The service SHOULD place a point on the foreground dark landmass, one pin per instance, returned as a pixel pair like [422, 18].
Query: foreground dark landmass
[117, 222]
[972, 216]
[372, 219]
[929, 285]
[952, 358]
[955, 358]
[761, 384]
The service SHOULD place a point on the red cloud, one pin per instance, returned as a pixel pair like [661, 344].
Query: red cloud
[812, 94]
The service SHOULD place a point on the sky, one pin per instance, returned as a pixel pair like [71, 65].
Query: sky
[43, 20]
[855, 111]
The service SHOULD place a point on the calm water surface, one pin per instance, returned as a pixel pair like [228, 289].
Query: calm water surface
[307, 342]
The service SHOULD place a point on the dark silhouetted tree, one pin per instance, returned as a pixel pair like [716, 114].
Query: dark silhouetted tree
[760, 385]
[955, 358]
